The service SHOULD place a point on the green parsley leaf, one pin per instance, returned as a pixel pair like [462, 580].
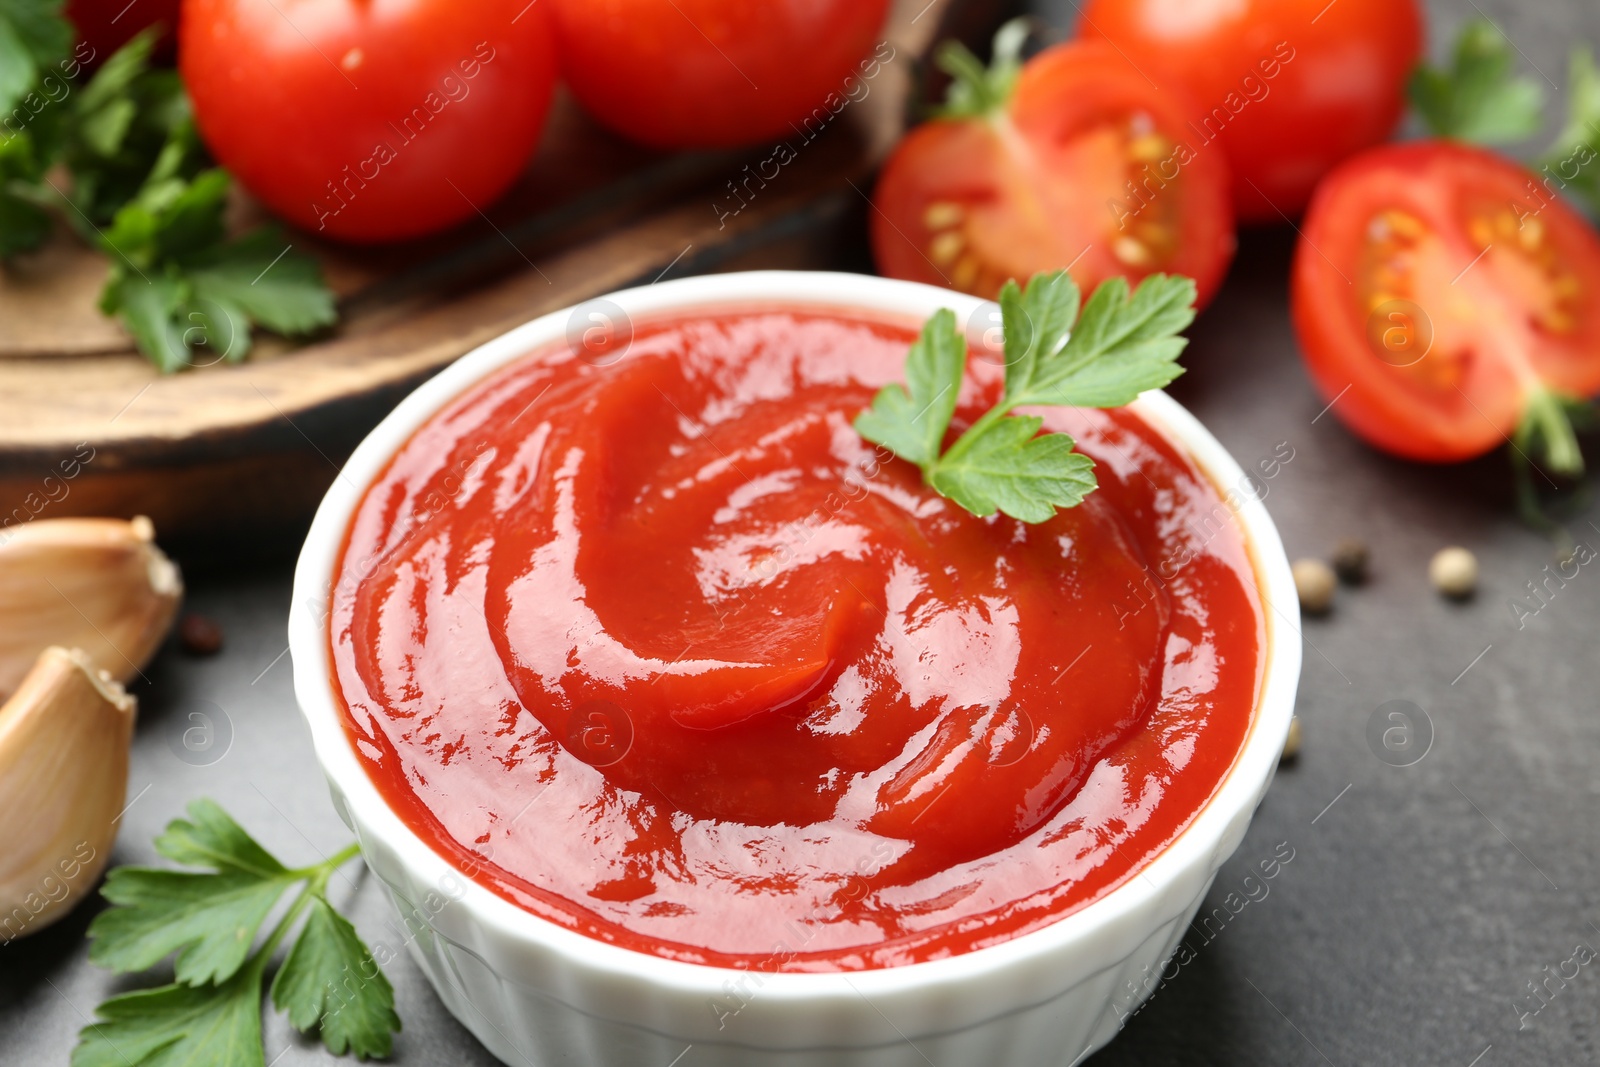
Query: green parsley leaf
[23, 225]
[1006, 466]
[1478, 98]
[912, 425]
[1573, 159]
[178, 287]
[212, 1014]
[178, 1026]
[1103, 355]
[187, 295]
[150, 309]
[331, 983]
[109, 134]
[210, 920]
[31, 135]
[261, 276]
[33, 35]
[24, 222]
[130, 126]
[210, 837]
[219, 326]
[171, 220]
[1037, 325]
[1120, 347]
[1583, 103]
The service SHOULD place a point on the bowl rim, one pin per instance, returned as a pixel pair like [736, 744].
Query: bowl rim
[1196, 845]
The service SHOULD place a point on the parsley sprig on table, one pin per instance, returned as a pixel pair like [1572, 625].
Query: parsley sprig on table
[142, 190]
[1480, 97]
[1573, 158]
[1104, 355]
[211, 1014]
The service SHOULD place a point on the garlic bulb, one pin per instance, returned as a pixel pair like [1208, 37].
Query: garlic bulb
[100, 585]
[64, 739]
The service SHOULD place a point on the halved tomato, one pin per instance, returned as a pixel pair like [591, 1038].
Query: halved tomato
[1075, 161]
[1445, 301]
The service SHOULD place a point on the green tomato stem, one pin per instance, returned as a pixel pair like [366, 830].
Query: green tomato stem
[1546, 429]
[978, 91]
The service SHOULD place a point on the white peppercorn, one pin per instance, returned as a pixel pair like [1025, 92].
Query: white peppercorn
[1314, 580]
[1454, 572]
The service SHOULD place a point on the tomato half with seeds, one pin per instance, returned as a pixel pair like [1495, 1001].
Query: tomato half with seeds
[1071, 161]
[1287, 88]
[1445, 302]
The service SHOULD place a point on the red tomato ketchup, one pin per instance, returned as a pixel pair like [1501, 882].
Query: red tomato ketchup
[662, 651]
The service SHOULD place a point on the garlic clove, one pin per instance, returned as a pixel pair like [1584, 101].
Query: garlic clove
[64, 739]
[100, 585]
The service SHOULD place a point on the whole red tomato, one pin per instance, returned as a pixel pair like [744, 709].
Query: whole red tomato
[1288, 88]
[715, 73]
[369, 120]
[1074, 162]
[1445, 302]
[107, 25]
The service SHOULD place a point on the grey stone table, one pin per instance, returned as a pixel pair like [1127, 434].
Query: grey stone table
[1420, 901]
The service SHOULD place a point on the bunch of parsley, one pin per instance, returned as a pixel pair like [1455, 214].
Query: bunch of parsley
[119, 162]
[211, 1013]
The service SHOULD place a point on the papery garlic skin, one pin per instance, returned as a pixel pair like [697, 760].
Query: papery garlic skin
[100, 585]
[64, 738]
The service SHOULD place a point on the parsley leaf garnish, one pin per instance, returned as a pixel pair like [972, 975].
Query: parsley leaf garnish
[211, 1014]
[912, 424]
[1478, 97]
[1004, 466]
[1104, 355]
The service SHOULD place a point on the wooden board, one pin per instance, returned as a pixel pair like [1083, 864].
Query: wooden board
[230, 456]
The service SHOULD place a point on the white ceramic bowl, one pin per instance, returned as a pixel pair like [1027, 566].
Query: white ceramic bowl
[538, 995]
